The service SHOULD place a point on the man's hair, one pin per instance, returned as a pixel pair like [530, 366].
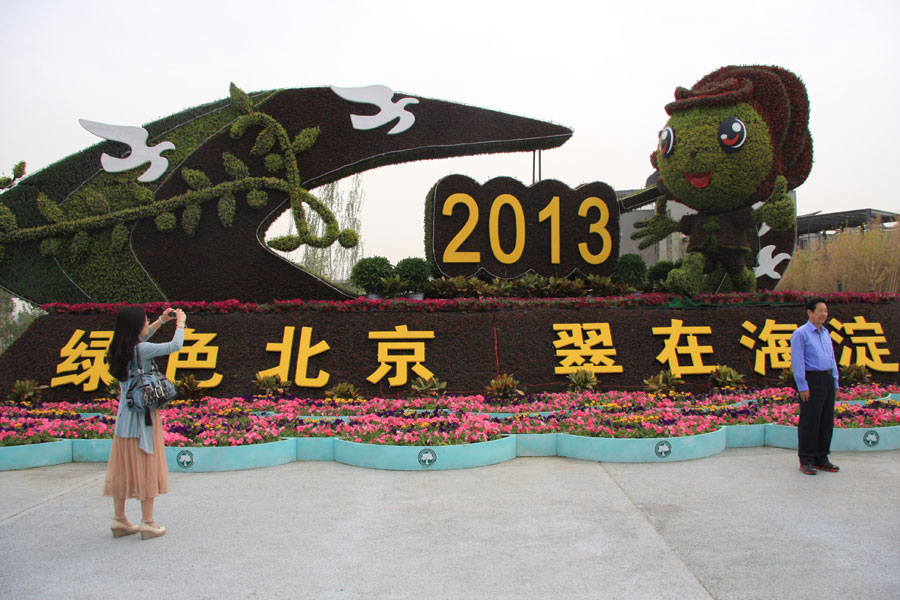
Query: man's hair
[812, 302]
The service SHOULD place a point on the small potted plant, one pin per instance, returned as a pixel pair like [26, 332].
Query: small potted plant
[368, 272]
[416, 272]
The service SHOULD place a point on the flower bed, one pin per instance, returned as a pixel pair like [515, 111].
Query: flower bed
[476, 304]
[452, 420]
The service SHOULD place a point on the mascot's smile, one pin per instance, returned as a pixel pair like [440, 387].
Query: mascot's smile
[698, 180]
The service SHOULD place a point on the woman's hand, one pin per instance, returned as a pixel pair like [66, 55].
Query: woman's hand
[167, 315]
[180, 317]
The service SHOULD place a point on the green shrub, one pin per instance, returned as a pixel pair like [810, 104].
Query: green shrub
[630, 269]
[188, 388]
[582, 380]
[854, 374]
[504, 387]
[430, 387]
[271, 385]
[368, 272]
[687, 279]
[662, 383]
[415, 271]
[26, 391]
[658, 272]
[725, 376]
[344, 391]
[393, 286]
[599, 285]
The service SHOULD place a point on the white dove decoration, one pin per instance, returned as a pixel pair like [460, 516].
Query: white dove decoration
[767, 262]
[136, 137]
[382, 97]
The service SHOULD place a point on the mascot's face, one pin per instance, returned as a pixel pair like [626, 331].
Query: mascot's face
[714, 158]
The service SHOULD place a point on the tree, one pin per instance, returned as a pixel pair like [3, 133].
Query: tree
[334, 262]
[15, 317]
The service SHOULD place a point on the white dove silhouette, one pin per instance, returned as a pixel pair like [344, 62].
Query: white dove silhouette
[382, 97]
[136, 137]
[767, 262]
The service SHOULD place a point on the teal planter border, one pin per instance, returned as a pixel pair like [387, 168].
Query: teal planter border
[642, 449]
[28, 456]
[745, 436]
[844, 439]
[96, 450]
[230, 458]
[425, 458]
[537, 444]
[315, 448]
[461, 456]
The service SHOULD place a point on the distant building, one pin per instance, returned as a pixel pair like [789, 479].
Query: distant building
[815, 228]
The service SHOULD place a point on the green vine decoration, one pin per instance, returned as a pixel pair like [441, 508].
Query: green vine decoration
[202, 190]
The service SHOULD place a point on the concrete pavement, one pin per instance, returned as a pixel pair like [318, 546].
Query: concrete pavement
[741, 524]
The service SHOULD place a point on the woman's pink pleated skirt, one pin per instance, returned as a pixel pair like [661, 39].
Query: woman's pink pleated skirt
[132, 473]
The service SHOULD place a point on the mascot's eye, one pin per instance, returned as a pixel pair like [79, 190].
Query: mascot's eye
[667, 142]
[732, 134]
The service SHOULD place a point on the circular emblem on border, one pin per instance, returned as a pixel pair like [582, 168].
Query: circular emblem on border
[427, 457]
[871, 438]
[185, 459]
[663, 449]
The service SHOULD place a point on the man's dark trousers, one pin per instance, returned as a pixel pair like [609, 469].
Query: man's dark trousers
[816, 419]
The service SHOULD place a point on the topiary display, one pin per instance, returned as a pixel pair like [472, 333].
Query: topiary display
[238, 161]
[736, 140]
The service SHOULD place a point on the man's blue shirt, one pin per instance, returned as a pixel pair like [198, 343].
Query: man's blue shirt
[811, 350]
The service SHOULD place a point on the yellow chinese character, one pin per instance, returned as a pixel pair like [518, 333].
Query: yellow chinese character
[305, 351]
[85, 362]
[190, 357]
[868, 353]
[392, 352]
[777, 340]
[585, 353]
[672, 349]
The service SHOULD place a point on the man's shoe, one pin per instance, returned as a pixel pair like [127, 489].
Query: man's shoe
[827, 466]
[807, 469]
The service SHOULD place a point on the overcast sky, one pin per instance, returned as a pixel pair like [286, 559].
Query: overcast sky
[605, 69]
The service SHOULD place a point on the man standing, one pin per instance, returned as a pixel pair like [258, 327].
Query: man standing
[816, 375]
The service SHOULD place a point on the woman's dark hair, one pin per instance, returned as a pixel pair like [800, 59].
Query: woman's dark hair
[129, 324]
[813, 302]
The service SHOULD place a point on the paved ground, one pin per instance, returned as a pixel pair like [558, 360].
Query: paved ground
[742, 524]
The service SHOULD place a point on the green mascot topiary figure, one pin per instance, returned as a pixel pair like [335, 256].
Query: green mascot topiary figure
[734, 145]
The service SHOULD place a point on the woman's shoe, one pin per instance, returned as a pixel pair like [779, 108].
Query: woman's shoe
[120, 526]
[149, 529]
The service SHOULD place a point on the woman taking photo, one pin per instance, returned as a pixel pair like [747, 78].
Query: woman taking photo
[137, 462]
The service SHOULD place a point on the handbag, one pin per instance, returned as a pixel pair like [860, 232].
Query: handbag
[148, 391]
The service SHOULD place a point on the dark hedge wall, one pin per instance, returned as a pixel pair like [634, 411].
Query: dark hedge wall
[464, 352]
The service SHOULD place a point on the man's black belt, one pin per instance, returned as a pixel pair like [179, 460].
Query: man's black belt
[822, 372]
